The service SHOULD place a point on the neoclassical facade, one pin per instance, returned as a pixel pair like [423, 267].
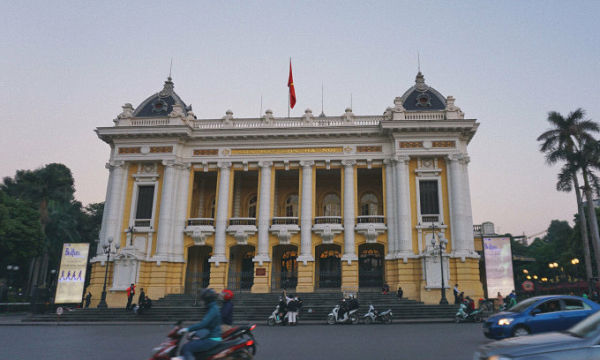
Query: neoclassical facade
[308, 203]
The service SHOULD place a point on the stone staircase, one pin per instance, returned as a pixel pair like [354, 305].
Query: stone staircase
[257, 308]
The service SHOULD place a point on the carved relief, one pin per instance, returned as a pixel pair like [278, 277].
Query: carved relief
[206, 152]
[365, 149]
[130, 150]
[161, 149]
[338, 149]
[410, 144]
[444, 144]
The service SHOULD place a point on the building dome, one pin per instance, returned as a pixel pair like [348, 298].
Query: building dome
[422, 97]
[161, 103]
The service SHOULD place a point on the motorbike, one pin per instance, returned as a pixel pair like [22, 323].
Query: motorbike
[351, 316]
[373, 316]
[237, 348]
[275, 319]
[462, 315]
[242, 331]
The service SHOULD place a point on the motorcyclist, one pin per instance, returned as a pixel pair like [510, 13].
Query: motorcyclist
[343, 309]
[282, 307]
[470, 304]
[210, 336]
[226, 310]
[352, 303]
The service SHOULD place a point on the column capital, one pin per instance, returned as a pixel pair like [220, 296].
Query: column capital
[224, 165]
[401, 159]
[348, 162]
[307, 163]
[265, 164]
[169, 163]
[454, 156]
[113, 164]
[466, 159]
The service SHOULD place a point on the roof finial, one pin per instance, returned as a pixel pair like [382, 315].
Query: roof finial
[170, 68]
[419, 61]
[322, 112]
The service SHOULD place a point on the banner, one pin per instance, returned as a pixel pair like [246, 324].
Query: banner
[498, 266]
[71, 276]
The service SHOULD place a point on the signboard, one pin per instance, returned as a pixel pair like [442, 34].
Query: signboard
[71, 275]
[498, 266]
[528, 286]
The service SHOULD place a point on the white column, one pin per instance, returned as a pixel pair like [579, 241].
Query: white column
[404, 248]
[390, 211]
[349, 218]
[222, 213]
[458, 218]
[176, 250]
[119, 174]
[264, 212]
[107, 206]
[468, 241]
[165, 217]
[306, 212]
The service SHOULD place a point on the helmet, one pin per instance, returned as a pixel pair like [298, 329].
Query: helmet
[208, 296]
[227, 294]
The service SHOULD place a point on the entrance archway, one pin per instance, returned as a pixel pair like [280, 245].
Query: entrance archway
[241, 267]
[285, 268]
[370, 265]
[197, 273]
[329, 266]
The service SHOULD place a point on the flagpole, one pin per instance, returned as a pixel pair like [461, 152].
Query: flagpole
[289, 92]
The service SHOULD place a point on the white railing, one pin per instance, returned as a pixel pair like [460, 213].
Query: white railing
[328, 220]
[242, 221]
[285, 220]
[149, 122]
[200, 222]
[425, 116]
[283, 123]
[370, 219]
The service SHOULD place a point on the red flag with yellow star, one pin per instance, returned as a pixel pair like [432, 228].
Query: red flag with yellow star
[291, 87]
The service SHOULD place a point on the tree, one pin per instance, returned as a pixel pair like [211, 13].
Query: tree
[20, 232]
[559, 143]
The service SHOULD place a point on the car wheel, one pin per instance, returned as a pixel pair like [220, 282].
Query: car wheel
[331, 320]
[520, 331]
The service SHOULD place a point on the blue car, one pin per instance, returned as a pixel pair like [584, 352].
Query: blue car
[539, 314]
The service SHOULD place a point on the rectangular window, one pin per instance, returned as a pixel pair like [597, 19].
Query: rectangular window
[430, 204]
[145, 201]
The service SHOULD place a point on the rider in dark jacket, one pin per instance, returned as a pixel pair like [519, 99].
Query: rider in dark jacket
[211, 326]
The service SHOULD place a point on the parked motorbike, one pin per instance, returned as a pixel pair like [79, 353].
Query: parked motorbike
[350, 316]
[239, 348]
[373, 316]
[462, 315]
[276, 319]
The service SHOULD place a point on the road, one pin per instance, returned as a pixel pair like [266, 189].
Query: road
[396, 341]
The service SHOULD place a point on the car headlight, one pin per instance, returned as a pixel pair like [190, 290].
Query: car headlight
[498, 357]
[505, 321]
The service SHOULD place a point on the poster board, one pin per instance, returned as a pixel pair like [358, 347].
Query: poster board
[498, 266]
[71, 275]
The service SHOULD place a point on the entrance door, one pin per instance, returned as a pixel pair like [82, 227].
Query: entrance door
[370, 266]
[197, 273]
[330, 267]
[241, 267]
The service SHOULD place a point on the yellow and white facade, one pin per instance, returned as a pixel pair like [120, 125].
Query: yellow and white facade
[312, 203]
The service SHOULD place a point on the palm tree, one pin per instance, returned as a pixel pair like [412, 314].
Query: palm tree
[566, 138]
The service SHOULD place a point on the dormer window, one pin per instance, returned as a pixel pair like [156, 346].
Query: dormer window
[159, 106]
[423, 100]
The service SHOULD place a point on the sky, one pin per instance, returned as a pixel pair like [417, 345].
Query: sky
[69, 66]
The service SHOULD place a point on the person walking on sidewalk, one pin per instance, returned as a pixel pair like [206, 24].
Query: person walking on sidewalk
[88, 299]
[130, 294]
[456, 293]
[142, 298]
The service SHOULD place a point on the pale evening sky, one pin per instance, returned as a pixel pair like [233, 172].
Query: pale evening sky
[69, 66]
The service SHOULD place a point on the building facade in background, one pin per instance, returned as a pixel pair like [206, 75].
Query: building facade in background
[308, 203]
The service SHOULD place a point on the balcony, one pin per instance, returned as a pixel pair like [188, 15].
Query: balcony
[142, 223]
[199, 229]
[284, 228]
[430, 219]
[370, 226]
[327, 227]
[242, 227]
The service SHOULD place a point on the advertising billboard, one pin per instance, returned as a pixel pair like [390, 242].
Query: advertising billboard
[498, 266]
[71, 276]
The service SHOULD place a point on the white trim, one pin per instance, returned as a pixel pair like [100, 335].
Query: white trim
[438, 178]
[134, 199]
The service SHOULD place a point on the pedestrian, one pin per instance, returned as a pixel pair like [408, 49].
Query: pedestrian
[499, 299]
[460, 297]
[456, 293]
[292, 307]
[400, 292]
[88, 299]
[585, 295]
[130, 294]
[142, 298]
[595, 296]
[386, 289]
[226, 310]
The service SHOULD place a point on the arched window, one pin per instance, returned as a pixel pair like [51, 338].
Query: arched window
[291, 206]
[369, 205]
[331, 205]
[252, 207]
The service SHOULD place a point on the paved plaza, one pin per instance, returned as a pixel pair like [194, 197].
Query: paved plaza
[396, 341]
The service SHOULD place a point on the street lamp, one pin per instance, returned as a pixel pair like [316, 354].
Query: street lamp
[441, 247]
[107, 250]
[12, 269]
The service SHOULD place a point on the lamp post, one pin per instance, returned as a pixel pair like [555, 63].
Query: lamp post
[441, 247]
[12, 269]
[107, 251]
[53, 273]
